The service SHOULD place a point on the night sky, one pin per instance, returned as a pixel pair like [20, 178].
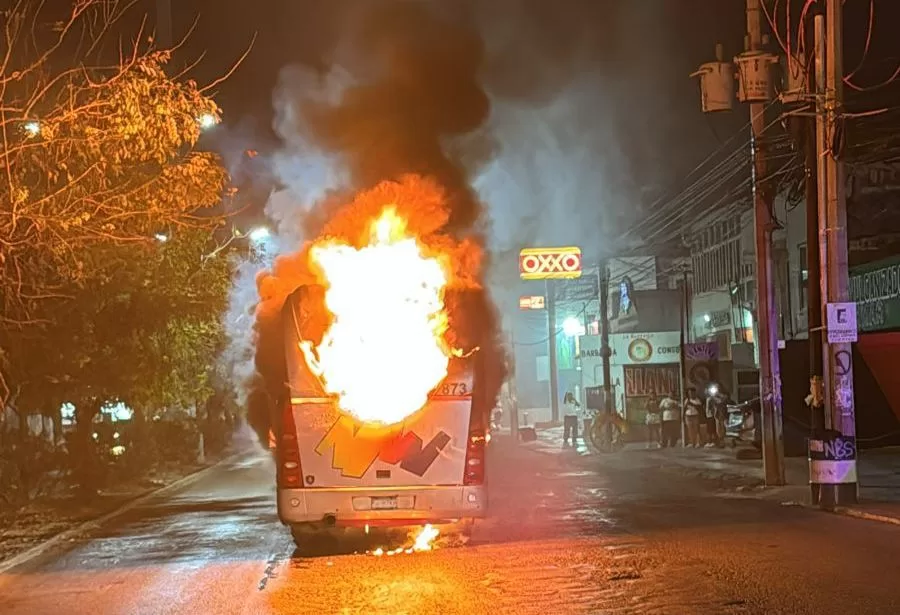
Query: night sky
[638, 55]
[646, 49]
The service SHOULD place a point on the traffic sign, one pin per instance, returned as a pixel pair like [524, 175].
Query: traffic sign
[841, 323]
[550, 263]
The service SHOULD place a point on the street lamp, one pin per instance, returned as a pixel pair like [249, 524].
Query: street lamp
[572, 327]
[259, 234]
[161, 237]
[207, 121]
[33, 128]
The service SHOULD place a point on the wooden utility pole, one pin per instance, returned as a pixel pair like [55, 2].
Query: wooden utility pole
[839, 452]
[766, 309]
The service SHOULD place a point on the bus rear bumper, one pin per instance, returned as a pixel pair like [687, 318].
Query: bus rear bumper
[381, 506]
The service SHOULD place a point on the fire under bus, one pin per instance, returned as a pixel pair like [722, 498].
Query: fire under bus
[336, 471]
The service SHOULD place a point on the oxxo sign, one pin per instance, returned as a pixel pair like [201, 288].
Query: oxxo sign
[550, 263]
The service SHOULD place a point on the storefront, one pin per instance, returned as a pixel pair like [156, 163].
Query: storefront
[875, 288]
[640, 364]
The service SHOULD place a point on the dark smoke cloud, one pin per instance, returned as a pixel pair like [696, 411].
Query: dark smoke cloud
[420, 90]
[562, 116]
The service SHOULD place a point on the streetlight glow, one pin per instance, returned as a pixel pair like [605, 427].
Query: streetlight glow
[259, 234]
[161, 237]
[207, 121]
[572, 327]
[33, 128]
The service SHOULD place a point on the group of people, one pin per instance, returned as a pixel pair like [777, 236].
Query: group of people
[704, 422]
[571, 414]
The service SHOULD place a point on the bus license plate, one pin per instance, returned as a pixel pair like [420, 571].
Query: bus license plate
[384, 503]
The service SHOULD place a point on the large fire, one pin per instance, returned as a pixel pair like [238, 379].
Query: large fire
[402, 294]
[385, 349]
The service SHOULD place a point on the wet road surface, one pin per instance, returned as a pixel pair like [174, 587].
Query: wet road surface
[567, 535]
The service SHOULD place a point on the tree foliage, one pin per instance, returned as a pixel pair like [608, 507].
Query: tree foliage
[146, 333]
[98, 156]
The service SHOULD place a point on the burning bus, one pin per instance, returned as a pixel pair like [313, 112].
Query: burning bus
[389, 376]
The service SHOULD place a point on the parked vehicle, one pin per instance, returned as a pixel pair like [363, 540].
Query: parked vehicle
[744, 426]
[741, 424]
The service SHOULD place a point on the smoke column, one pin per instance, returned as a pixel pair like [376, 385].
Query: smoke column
[404, 92]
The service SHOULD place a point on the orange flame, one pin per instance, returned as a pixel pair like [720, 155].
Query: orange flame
[423, 541]
[384, 350]
[425, 538]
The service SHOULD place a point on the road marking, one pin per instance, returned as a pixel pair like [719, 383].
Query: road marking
[271, 566]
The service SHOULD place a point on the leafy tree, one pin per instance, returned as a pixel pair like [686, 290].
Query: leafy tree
[147, 332]
[97, 157]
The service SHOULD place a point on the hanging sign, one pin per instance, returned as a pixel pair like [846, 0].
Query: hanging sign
[535, 302]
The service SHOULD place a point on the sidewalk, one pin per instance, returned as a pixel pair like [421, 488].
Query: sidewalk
[879, 473]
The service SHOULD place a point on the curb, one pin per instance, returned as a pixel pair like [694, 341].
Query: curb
[697, 472]
[40, 549]
[861, 514]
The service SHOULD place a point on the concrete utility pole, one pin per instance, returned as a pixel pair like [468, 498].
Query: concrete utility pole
[839, 451]
[685, 323]
[512, 392]
[552, 334]
[766, 310]
[806, 128]
[605, 352]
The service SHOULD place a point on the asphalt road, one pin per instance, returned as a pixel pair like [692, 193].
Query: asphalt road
[567, 535]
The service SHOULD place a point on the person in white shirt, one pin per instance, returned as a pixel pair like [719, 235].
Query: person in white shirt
[692, 409]
[653, 421]
[671, 421]
[571, 413]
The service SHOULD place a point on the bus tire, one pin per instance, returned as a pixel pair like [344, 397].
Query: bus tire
[467, 526]
[310, 539]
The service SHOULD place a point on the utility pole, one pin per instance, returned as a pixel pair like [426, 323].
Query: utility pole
[551, 340]
[605, 352]
[685, 323]
[766, 310]
[840, 446]
[511, 390]
[806, 130]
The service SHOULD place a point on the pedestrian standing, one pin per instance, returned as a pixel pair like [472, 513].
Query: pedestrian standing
[692, 410]
[571, 412]
[710, 423]
[653, 421]
[721, 414]
[671, 421]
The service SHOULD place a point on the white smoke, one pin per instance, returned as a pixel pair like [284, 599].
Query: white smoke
[238, 357]
[306, 175]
